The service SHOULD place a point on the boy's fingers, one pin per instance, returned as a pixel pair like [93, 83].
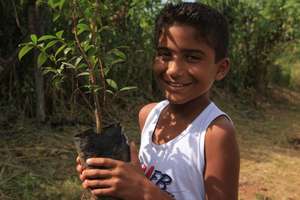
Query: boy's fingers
[96, 173]
[78, 159]
[134, 154]
[79, 169]
[103, 191]
[102, 162]
[81, 177]
[96, 183]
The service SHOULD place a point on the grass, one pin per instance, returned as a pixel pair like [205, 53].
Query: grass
[295, 75]
[39, 162]
[270, 148]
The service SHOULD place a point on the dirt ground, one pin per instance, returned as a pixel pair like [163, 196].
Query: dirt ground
[270, 149]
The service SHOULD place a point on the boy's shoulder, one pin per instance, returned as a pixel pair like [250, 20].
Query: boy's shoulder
[220, 136]
[221, 124]
[222, 121]
[144, 112]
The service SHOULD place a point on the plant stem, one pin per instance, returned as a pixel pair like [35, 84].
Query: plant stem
[92, 78]
[101, 65]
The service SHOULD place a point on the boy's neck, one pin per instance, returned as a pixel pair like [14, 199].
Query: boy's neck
[189, 109]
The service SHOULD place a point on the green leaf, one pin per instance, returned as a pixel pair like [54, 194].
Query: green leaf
[81, 66]
[106, 71]
[25, 44]
[87, 47]
[42, 58]
[118, 53]
[103, 28]
[61, 4]
[69, 65]
[83, 74]
[48, 70]
[128, 88]
[67, 50]
[78, 60]
[60, 49]
[51, 3]
[97, 88]
[93, 60]
[81, 20]
[24, 50]
[82, 27]
[55, 17]
[87, 86]
[46, 37]
[112, 84]
[61, 68]
[59, 34]
[34, 38]
[50, 44]
[60, 59]
[110, 92]
[116, 61]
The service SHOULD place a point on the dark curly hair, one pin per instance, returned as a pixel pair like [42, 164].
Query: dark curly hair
[211, 25]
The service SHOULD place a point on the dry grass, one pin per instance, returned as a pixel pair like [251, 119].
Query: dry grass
[38, 163]
[269, 141]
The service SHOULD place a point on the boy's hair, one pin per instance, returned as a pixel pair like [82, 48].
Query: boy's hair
[210, 24]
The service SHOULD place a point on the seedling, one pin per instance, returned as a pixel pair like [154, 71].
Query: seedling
[85, 56]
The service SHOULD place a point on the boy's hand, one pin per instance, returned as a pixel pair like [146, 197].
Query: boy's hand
[79, 168]
[118, 179]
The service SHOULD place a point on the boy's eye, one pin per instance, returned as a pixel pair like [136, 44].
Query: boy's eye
[164, 55]
[192, 58]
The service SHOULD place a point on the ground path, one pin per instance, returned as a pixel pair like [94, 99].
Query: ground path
[270, 149]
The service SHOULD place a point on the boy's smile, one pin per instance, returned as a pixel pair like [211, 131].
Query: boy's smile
[185, 65]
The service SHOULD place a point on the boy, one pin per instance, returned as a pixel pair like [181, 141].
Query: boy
[188, 148]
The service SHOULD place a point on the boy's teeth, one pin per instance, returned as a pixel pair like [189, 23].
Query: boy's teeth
[176, 84]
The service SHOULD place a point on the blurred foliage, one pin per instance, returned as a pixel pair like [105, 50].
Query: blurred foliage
[260, 32]
[120, 33]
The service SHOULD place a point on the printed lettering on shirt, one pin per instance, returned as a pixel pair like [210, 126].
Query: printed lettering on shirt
[160, 179]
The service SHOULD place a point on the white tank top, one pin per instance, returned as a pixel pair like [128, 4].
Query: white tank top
[177, 166]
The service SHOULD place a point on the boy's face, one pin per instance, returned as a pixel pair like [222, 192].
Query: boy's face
[185, 65]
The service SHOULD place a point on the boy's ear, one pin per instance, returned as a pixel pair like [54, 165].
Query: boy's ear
[223, 69]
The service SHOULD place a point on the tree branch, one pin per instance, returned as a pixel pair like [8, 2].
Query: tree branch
[16, 15]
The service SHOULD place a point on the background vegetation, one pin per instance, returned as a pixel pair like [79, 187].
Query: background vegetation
[264, 47]
[44, 97]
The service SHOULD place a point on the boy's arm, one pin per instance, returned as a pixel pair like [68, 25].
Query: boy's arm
[222, 161]
[143, 114]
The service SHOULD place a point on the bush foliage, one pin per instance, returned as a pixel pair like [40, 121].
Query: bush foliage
[117, 35]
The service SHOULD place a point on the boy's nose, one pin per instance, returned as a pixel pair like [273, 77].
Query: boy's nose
[175, 68]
